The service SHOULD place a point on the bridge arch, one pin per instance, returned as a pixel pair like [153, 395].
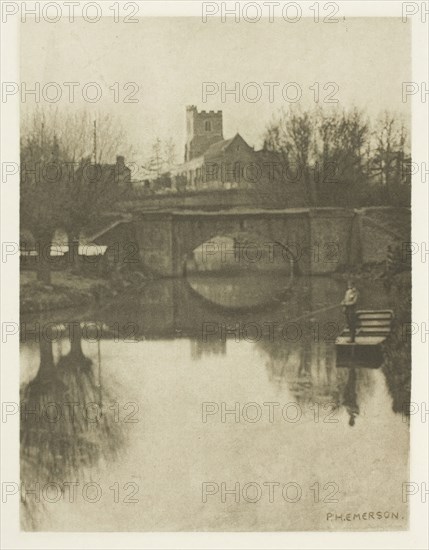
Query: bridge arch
[256, 240]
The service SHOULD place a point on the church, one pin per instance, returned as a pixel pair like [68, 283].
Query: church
[212, 162]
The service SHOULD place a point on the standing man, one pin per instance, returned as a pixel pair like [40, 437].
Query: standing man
[349, 306]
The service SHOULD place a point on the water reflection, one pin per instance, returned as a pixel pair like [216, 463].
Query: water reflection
[64, 433]
[307, 368]
[350, 397]
[212, 346]
[153, 343]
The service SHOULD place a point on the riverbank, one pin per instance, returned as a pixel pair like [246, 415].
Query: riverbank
[66, 290]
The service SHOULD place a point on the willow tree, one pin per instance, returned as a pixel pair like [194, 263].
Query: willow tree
[66, 182]
[41, 184]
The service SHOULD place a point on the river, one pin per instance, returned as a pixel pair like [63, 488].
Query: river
[212, 403]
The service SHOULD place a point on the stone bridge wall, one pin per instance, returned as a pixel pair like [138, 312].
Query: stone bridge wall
[319, 239]
[324, 240]
[379, 228]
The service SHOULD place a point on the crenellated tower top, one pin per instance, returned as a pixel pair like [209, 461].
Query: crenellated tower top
[202, 129]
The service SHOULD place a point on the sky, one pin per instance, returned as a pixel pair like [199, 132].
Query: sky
[169, 59]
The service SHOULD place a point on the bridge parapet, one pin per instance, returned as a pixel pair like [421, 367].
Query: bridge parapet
[209, 200]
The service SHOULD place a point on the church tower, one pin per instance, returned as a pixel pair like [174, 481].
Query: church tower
[202, 130]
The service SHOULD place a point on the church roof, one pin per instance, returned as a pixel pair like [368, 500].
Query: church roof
[219, 147]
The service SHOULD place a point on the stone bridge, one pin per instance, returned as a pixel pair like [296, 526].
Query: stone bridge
[319, 240]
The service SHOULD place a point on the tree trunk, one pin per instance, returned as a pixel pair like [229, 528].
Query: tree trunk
[76, 343]
[47, 366]
[73, 244]
[312, 186]
[44, 264]
[76, 359]
[308, 182]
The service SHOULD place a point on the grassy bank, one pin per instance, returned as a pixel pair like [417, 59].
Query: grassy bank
[66, 290]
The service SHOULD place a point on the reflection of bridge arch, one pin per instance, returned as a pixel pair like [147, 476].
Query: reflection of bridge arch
[271, 304]
[170, 308]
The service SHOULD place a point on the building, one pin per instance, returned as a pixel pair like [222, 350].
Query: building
[202, 130]
[105, 176]
[211, 161]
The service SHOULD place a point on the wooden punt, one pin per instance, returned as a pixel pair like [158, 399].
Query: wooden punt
[372, 328]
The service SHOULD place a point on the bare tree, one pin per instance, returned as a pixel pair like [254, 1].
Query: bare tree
[61, 186]
[341, 149]
[390, 154]
[341, 159]
[75, 130]
[169, 153]
[162, 157]
[290, 135]
[40, 203]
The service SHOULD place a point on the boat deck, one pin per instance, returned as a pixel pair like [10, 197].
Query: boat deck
[373, 327]
[360, 340]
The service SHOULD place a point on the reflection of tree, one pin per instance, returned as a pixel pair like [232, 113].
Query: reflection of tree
[75, 358]
[350, 397]
[212, 346]
[397, 350]
[308, 368]
[68, 434]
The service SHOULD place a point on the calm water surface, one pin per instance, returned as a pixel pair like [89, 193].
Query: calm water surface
[136, 441]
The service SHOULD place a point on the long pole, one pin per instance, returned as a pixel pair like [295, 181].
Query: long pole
[314, 312]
